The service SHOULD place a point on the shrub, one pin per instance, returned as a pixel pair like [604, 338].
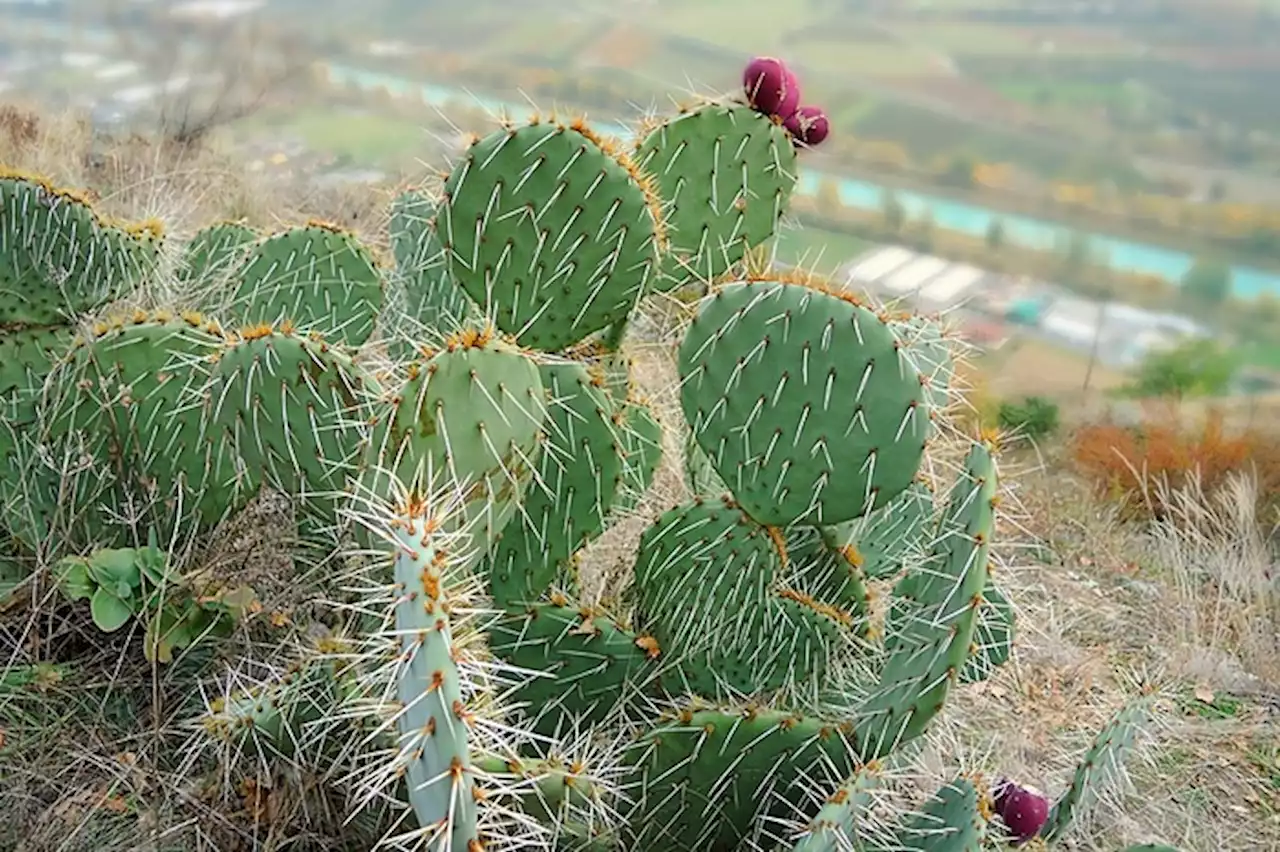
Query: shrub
[1128, 462]
[1034, 417]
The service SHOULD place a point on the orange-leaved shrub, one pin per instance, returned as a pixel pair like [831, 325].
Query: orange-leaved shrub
[1129, 463]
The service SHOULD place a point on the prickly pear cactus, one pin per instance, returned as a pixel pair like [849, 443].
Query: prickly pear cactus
[59, 257]
[552, 231]
[725, 174]
[780, 382]
[317, 277]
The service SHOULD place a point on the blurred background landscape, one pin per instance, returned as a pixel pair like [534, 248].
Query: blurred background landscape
[1084, 183]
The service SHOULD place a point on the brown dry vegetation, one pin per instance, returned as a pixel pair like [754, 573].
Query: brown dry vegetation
[1190, 603]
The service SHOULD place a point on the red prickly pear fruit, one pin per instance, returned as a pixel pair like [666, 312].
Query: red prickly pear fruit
[771, 86]
[808, 125]
[1024, 812]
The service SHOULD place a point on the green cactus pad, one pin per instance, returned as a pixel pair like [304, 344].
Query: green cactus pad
[430, 296]
[709, 585]
[802, 401]
[472, 414]
[699, 473]
[881, 542]
[26, 358]
[579, 473]
[551, 233]
[278, 718]
[642, 442]
[590, 665]
[1099, 767]
[133, 393]
[931, 352]
[289, 407]
[992, 637]
[58, 257]
[950, 821]
[707, 780]
[826, 573]
[726, 174]
[835, 827]
[931, 625]
[317, 277]
[217, 251]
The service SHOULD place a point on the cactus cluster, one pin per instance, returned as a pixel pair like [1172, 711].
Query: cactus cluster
[746, 690]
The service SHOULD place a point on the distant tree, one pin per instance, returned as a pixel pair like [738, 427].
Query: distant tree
[995, 235]
[1193, 367]
[1207, 282]
[894, 214]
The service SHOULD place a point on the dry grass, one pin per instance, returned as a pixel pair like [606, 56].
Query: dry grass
[1189, 603]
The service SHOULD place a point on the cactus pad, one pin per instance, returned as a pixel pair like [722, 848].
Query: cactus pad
[725, 174]
[317, 277]
[950, 821]
[579, 472]
[709, 586]
[288, 406]
[931, 625]
[1099, 768]
[133, 393]
[430, 295]
[217, 251]
[554, 235]
[992, 637]
[642, 442]
[882, 541]
[58, 257]
[471, 414]
[590, 664]
[835, 827]
[708, 779]
[803, 402]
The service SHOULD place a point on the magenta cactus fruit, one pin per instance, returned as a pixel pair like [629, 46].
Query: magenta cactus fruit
[1000, 792]
[1024, 811]
[809, 125]
[772, 88]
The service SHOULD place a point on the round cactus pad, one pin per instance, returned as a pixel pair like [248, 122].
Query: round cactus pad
[283, 400]
[317, 277]
[217, 250]
[133, 393]
[472, 415]
[58, 257]
[725, 174]
[550, 233]
[803, 401]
